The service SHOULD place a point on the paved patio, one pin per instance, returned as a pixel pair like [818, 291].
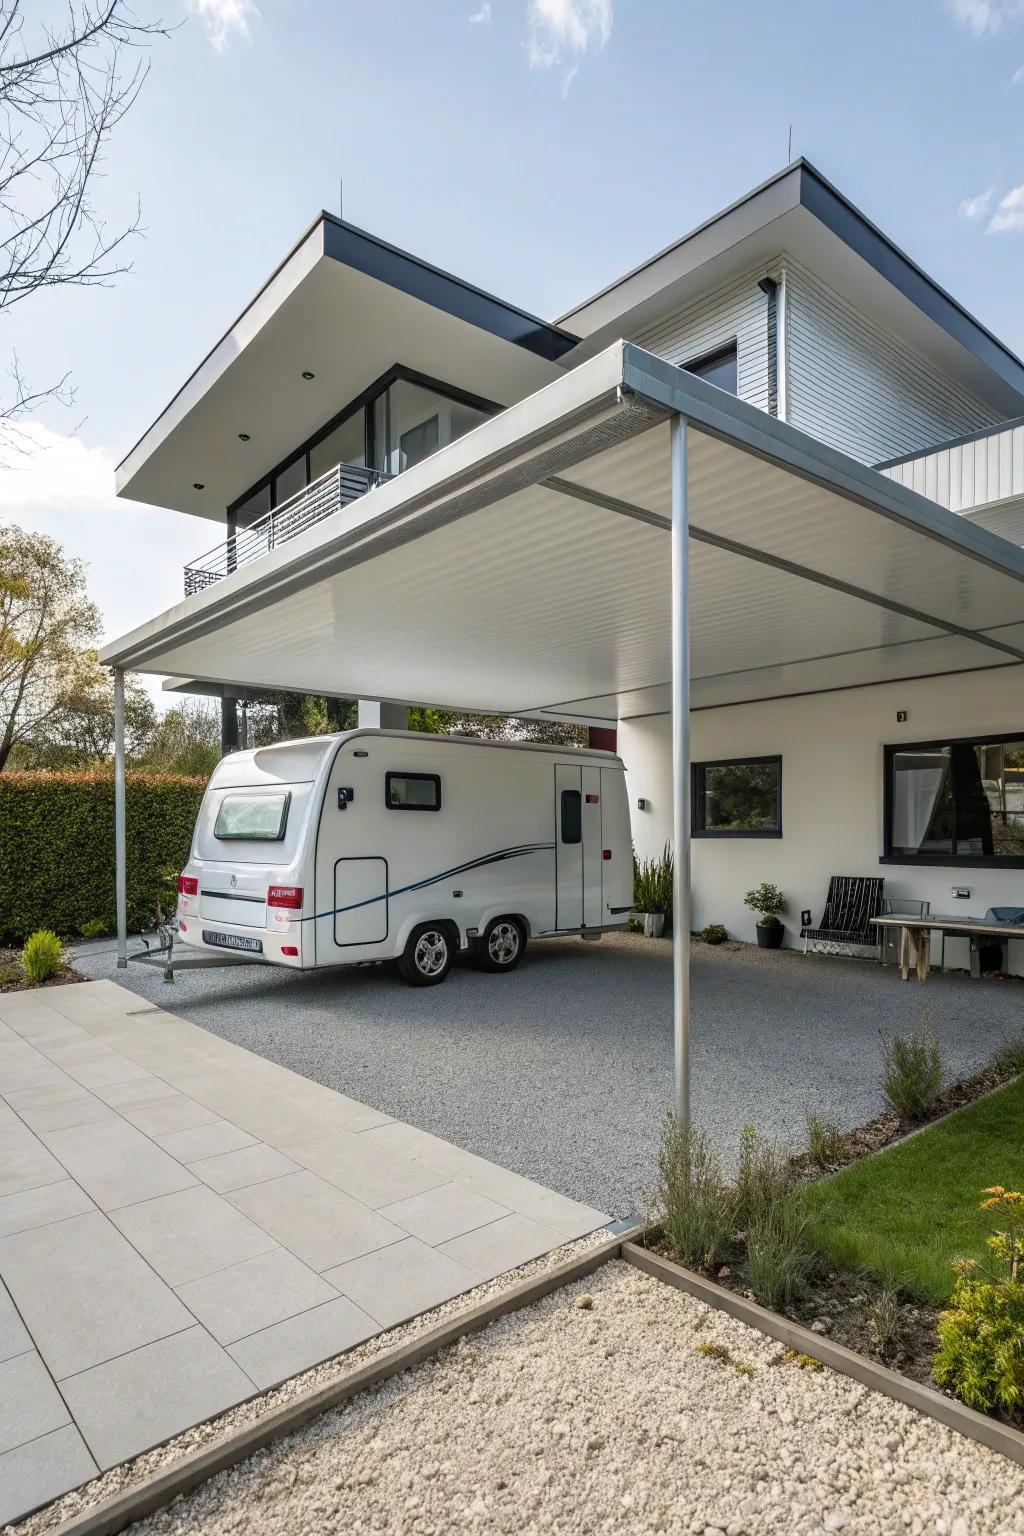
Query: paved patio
[184, 1224]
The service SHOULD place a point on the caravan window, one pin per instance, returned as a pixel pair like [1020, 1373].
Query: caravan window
[252, 818]
[412, 792]
[572, 816]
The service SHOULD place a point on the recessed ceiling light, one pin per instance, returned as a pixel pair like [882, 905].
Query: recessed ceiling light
[197, 485]
[243, 437]
[307, 375]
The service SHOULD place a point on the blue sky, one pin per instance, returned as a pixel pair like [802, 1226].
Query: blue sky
[536, 147]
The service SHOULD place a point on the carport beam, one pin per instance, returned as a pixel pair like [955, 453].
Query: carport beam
[681, 772]
[120, 863]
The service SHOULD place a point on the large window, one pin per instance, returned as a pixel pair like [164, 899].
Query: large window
[738, 797]
[719, 367]
[412, 791]
[258, 818]
[955, 802]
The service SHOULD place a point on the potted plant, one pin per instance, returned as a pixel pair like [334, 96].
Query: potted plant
[767, 901]
[652, 893]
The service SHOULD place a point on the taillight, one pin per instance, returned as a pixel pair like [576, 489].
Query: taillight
[188, 885]
[289, 896]
[289, 949]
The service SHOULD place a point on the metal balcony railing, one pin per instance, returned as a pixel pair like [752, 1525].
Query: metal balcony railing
[341, 485]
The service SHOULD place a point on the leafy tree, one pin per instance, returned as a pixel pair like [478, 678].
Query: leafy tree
[46, 620]
[80, 731]
[186, 739]
[556, 733]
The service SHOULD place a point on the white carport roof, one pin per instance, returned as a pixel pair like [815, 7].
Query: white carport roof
[525, 569]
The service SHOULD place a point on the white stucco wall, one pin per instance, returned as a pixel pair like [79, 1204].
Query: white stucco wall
[832, 795]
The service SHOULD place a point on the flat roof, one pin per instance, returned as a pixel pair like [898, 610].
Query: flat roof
[524, 569]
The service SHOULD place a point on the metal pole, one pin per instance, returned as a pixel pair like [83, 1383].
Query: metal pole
[120, 864]
[681, 772]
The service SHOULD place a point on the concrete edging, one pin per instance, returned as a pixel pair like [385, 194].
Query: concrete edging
[955, 1415]
[161, 1488]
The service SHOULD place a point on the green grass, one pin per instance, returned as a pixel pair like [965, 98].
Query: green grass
[907, 1213]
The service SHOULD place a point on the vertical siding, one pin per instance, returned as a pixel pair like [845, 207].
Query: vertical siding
[853, 386]
[968, 475]
[737, 311]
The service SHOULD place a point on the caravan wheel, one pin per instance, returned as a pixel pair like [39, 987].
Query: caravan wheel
[501, 946]
[428, 956]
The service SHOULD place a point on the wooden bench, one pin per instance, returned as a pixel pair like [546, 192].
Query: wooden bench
[916, 932]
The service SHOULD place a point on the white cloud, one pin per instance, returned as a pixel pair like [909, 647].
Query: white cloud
[481, 17]
[985, 16]
[224, 19]
[57, 484]
[1010, 213]
[560, 29]
[976, 207]
[568, 78]
[1018, 76]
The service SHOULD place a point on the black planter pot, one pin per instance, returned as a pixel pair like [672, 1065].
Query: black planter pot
[769, 935]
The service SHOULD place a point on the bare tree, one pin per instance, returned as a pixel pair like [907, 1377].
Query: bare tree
[64, 88]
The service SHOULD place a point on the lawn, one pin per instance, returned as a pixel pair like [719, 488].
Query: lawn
[910, 1211]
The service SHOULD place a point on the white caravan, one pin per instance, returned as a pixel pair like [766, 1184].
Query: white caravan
[379, 845]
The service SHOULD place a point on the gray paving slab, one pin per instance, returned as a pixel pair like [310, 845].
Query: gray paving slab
[491, 1250]
[319, 1223]
[237, 1170]
[567, 1217]
[84, 1293]
[43, 1204]
[81, 1108]
[30, 1404]
[142, 1398]
[116, 1164]
[161, 1116]
[42, 1470]
[137, 1090]
[14, 1336]
[25, 1162]
[101, 1072]
[373, 1175]
[205, 1141]
[255, 1294]
[402, 1280]
[191, 1233]
[276, 1353]
[444, 1212]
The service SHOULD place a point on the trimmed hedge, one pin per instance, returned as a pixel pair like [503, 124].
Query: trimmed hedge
[57, 847]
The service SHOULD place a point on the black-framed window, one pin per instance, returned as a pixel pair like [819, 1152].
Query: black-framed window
[572, 816]
[737, 797]
[412, 791]
[720, 367]
[956, 802]
[257, 818]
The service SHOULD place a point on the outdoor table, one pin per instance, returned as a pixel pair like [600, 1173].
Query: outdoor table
[915, 936]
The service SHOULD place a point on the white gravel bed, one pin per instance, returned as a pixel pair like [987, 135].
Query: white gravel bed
[129, 1473]
[576, 1417]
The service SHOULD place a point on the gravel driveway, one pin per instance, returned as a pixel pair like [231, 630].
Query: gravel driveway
[562, 1070]
[607, 1418]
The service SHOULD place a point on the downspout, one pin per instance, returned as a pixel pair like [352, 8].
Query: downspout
[769, 286]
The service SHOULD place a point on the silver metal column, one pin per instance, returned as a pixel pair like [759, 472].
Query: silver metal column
[681, 772]
[120, 862]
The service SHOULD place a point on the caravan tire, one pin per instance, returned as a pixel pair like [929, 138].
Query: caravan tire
[501, 946]
[428, 955]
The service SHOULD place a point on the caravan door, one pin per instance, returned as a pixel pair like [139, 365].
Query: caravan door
[577, 846]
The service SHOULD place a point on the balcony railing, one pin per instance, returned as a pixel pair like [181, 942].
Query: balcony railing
[330, 493]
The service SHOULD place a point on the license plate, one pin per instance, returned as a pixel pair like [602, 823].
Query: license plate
[233, 941]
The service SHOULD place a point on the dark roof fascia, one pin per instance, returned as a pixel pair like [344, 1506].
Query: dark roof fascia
[367, 253]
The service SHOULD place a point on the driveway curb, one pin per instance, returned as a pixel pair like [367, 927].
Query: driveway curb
[946, 1410]
[123, 1509]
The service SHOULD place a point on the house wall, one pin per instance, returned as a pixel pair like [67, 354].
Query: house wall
[853, 385]
[832, 796]
[736, 311]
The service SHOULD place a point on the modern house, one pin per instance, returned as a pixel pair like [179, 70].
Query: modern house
[419, 494]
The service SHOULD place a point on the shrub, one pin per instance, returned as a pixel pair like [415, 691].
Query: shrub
[57, 846]
[695, 1205]
[913, 1073]
[884, 1317]
[767, 901]
[981, 1336]
[824, 1143]
[714, 933]
[652, 884]
[764, 1178]
[97, 928]
[1010, 1058]
[41, 957]
[779, 1259]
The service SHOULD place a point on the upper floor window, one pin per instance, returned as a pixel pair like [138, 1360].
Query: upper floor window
[719, 367]
[955, 802]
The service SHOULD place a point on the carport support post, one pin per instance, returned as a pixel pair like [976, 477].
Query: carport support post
[681, 773]
[120, 862]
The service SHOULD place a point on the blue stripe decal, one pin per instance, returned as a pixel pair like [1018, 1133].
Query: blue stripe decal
[446, 874]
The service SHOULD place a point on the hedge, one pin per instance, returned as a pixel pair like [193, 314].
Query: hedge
[57, 847]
